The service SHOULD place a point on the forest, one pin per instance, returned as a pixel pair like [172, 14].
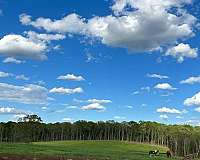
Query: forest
[181, 139]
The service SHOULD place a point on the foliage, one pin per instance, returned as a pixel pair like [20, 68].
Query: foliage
[30, 118]
[181, 139]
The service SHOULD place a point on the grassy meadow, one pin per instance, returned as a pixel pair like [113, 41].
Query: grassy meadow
[113, 150]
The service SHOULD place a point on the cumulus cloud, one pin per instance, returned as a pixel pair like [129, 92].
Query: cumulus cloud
[44, 108]
[145, 89]
[121, 6]
[22, 77]
[94, 106]
[100, 101]
[197, 109]
[71, 77]
[169, 110]
[30, 46]
[28, 94]
[18, 46]
[133, 29]
[136, 93]
[69, 24]
[142, 90]
[71, 107]
[119, 117]
[179, 117]
[11, 110]
[193, 122]
[129, 107]
[157, 76]
[66, 91]
[164, 86]
[164, 117]
[19, 77]
[182, 51]
[91, 58]
[66, 119]
[16, 117]
[4, 74]
[44, 37]
[12, 60]
[191, 80]
[193, 101]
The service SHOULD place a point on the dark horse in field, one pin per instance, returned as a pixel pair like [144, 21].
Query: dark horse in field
[169, 154]
[155, 153]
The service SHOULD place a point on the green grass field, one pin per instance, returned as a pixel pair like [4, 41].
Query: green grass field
[113, 150]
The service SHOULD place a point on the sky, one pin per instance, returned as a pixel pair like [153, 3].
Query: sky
[122, 60]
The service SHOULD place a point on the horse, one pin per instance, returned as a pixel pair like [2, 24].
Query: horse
[155, 153]
[169, 154]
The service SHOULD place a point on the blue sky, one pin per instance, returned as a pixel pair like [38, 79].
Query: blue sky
[100, 60]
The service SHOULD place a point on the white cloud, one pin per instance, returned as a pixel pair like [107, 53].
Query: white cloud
[181, 51]
[119, 117]
[136, 92]
[179, 117]
[16, 117]
[142, 90]
[193, 101]
[71, 77]
[145, 89]
[69, 24]
[4, 74]
[18, 46]
[169, 110]
[44, 108]
[11, 110]
[167, 94]
[164, 117]
[22, 77]
[67, 119]
[19, 77]
[94, 106]
[78, 100]
[191, 80]
[72, 107]
[12, 60]
[157, 76]
[121, 6]
[129, 107]
[28, 94]
[164, 86]
[25, 19]
[90, 58]
[197, 109]
[66, 91]
[102, 101]
[44, 37]
[40, 82]
[31, 46]
[133, 29]
[193, 122]
[144, 105]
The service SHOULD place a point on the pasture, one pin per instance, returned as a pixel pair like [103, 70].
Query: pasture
[75, 150]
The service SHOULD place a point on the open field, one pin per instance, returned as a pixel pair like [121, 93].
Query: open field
[76, 150]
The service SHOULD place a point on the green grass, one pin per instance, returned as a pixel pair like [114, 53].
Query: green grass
[113, 150]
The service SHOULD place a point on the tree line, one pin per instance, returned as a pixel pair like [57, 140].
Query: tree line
[181, 139]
